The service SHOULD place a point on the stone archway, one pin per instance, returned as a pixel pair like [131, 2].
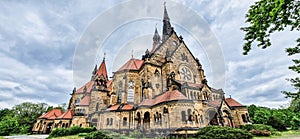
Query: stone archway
[212, 117]
[138, 118]
[146, 120]
[227, 118]
[49, 127]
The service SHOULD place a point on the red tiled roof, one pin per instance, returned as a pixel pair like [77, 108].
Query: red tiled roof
[85, 101]
[88, 85]
[52, 114]
[232, 103]
[132, 64]
[67, 115]
[127, 107]
[123, 107]
[102, 70]
[167, 96]
[108, 85]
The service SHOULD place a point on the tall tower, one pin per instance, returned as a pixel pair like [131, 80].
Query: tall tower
[167, 28]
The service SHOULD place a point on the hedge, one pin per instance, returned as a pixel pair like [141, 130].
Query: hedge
[59, 132]
[218, 132]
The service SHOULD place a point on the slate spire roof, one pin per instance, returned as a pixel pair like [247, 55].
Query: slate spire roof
[167, 28]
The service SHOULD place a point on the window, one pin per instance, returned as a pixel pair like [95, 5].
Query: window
[111, 121]
[183, 117]
[244, 118]
[125, 121]
[97, 106]
[107, 121]
[189, 115]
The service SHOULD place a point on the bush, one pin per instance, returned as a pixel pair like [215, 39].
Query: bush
[59, 132]
[82, 134]
[260, 127]
[218, 132]
[277, 124]
[97, 135]
[260, 132]
[136, 134]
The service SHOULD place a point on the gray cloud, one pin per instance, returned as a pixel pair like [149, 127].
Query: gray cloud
[38, 40]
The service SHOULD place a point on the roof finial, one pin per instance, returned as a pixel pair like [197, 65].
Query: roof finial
[165, 3]
[104, 56]
[132, 53]
[229, 96]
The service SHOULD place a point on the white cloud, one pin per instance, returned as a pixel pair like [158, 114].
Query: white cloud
[37, 44]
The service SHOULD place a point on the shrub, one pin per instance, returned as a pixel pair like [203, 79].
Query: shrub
[136, 134]
[82, 134]
[260, 132]
[261, 127]
[277, 124]
[97, 135]
[218, 132]
[59, 132]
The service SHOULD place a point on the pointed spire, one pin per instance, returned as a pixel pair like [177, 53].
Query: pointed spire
[156, 40]
[156, 37]
[167, 28]
[95, 70]
[102, 69]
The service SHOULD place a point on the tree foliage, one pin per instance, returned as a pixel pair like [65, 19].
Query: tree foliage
[268, 16]
[277, 118]
[21, 118]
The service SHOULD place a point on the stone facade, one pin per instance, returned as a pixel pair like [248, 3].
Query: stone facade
[164, 92]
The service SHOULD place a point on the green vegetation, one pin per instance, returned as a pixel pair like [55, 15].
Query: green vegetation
[266, 17]
[60, 132]
[21, 118]
[97, 135]
[217, 132]
[260, 129]
[280, 119]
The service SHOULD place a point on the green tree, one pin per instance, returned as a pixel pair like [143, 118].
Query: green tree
[9, 125]
[3, 113]
[26, 114]
[268, 16]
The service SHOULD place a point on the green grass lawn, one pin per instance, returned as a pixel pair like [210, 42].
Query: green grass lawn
[1, 137]
[285, 134]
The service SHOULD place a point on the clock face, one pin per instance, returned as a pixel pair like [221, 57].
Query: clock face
[185, 73]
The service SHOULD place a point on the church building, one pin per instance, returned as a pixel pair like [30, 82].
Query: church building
[164, 92]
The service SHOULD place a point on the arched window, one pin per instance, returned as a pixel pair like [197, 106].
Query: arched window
[111, 121]
[160, 120]
[166, 110]
[120, 92]
[107, 121]
[190, 117]
[183, 116]
[244, 118]
[191, 95]
[124, 121]
[97, 106]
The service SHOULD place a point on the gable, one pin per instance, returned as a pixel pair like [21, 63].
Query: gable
[170, 45]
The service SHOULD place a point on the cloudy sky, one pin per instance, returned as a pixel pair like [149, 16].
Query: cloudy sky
[47, 47]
